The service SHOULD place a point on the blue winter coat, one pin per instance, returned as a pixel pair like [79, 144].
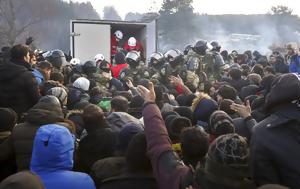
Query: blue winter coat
[294, 64]
[52, 159]
[38, 76]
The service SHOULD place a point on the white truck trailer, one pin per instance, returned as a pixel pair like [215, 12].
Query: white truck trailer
[91, 37]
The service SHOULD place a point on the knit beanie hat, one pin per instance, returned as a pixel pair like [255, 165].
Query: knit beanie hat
[59, 93]
[230, 150]
[82, 83]
[220, 123]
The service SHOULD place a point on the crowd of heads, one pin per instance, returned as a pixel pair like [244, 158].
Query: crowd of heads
[88, 117]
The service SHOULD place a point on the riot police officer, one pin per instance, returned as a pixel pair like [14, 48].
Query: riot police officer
[192, 80]
[218, 61]
[58, 60]
[210, 59]
[136, 69]
[215, 46]
[156, 62]
[176, 61]
[187, 48]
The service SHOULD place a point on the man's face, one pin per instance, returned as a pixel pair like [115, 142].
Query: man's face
[272, 60]
[290, 52]
[27, 58]
[48, 73]
[33, 60]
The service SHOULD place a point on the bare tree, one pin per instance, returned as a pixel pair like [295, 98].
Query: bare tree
[281, 10]
[15, 20]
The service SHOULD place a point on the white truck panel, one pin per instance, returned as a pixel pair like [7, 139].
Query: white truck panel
[91, 39]
[151, 34]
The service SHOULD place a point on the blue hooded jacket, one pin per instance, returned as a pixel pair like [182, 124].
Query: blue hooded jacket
[52, 159]
[38, 76]
[295, 64]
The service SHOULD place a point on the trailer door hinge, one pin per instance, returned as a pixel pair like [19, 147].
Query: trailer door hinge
[73, 34]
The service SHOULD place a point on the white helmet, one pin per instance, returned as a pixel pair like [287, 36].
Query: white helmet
[132, 42]
[74, 61]
[99, 57]
[119, 34]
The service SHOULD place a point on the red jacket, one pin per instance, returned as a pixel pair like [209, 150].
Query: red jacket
[116, 69]
[167, 167]
[138, 47]
[114, 45]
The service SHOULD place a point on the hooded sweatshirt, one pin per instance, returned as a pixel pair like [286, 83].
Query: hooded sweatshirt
[23, 134]
[52, 159]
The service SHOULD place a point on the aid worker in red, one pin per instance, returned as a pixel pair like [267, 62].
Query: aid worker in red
[133, 45]
[115, 39]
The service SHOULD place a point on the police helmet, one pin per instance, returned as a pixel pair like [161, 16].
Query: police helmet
[89, 67]
[133, 58]
[174, 57]
[57, 58]
[200, 47]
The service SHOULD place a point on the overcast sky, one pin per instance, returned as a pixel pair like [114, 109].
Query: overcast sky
[200, 6]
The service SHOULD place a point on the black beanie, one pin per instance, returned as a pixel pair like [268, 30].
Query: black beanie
[175, 124]
[120, 58]
[184, 112]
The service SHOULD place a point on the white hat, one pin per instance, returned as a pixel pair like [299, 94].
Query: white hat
[132, 42]
[74, 61]
[82, 83]
[99, 57]
[119, 34]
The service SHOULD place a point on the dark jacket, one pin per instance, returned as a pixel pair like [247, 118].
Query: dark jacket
[96, 145]
[275, 149]
[106, 168]
[21, 140]
[19, 88]
[280, 66]
[117, 84]
[130, 181]
[168, 170]
[75, 97]
[239, 84]
[52, 159]
[244, 127]
[117, 120]
[8, 167]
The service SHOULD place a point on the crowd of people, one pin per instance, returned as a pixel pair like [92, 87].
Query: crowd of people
[199, 118]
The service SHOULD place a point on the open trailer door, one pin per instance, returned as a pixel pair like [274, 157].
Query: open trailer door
[89, 39]
[151, 39]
